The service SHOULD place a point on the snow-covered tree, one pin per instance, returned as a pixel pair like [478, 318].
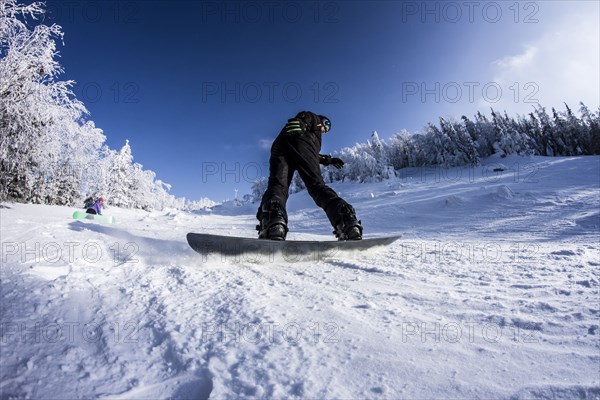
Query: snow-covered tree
[259, 187]
[510, 138]
[591, 123]
[546, 134]
[205, 203]
[399, 150]
[380, 154]
[120, 182]
[360, 165]
[38, 113]
[297, 184]
[142, 190]
[435, 145]
[459, 147]
[574, 132]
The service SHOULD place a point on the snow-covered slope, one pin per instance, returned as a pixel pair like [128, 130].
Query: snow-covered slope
[493, 293]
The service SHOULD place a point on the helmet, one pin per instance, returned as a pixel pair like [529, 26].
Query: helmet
[326, 122]
[101, 200]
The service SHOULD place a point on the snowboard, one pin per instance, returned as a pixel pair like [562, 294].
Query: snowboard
[109, 219]
[291, 250]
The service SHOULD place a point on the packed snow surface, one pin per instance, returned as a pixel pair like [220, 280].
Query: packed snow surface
[491, 293]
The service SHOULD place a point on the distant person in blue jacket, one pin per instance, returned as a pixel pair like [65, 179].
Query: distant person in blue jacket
[94, 206]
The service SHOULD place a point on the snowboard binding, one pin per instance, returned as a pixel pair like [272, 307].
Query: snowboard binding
[348, 226]
[273, 222]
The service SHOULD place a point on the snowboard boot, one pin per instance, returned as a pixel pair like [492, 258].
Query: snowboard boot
[273, 222]
[348, 227]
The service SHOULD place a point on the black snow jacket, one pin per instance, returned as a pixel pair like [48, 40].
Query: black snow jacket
[311, 132]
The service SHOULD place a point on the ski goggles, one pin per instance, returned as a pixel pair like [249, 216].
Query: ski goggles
[327, 124]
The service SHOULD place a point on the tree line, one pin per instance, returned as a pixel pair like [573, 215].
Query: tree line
[464, 142]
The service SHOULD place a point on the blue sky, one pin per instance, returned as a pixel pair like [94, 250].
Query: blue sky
[200, 89]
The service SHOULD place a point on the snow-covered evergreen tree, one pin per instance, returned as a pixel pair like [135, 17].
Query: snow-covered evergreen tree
[510, 137]
[380, 154]
[399, 150]
[297, 184]
[360, 165]
[459, 149]
[486, 135]
[259, 187]
[120, 178]
[574, 133]
[546, 135]
[591, 124]
[435, 143]
[142, 189]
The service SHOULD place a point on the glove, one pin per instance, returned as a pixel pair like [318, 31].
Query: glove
[336, 162]
[328, 160]
[294, 126]
[324, 160]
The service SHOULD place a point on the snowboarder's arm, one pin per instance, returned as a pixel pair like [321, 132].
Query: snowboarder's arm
[294, 125]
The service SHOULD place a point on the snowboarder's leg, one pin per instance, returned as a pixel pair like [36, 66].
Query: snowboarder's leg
[306, 162]
[341, 214]
[343, 219]
[271, 213]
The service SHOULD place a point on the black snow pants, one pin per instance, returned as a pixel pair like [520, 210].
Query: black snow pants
[290, 153]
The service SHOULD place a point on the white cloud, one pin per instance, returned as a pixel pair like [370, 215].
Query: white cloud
[521, 61]
[265, 144]
[560, 66]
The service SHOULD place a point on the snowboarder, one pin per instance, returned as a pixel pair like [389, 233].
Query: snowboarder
[296, 148]
[88, 202]
[95, 207]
